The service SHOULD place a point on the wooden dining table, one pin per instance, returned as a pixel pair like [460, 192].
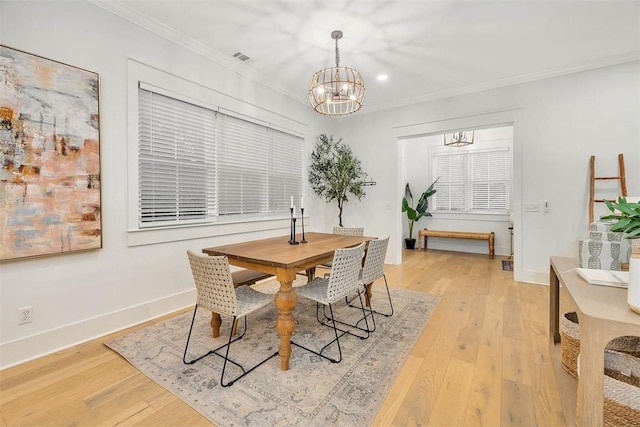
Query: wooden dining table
[276, 256]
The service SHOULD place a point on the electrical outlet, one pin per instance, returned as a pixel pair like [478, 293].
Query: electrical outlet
[25, 315]
[531, 207]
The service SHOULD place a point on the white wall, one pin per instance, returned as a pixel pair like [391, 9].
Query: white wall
[79, 296]
[558, 124]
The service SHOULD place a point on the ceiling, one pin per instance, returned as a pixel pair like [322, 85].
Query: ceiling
[429, 49]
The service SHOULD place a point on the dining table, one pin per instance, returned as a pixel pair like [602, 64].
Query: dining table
[284, 260]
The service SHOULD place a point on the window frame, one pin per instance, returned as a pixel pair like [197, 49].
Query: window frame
[468, 182]
[189, 91]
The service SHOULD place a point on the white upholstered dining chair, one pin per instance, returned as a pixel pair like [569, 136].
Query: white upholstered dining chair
[342, 282]
[344, 231]
[216, 292]
[372, 270]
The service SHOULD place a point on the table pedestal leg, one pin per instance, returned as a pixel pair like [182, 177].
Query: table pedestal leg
[216, 321]
[285, 300]
[367, 294]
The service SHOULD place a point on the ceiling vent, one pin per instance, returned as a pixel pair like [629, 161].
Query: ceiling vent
[241, 56]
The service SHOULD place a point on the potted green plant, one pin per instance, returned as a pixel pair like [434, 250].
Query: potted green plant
[420, 211]
[627, 217]
[335, 172]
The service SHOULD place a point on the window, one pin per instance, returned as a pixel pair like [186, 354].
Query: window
[196, 164]
[472, 181]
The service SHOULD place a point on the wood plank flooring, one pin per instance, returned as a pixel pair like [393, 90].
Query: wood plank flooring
[483, 360]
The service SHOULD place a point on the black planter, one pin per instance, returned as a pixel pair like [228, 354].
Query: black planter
[410, 243]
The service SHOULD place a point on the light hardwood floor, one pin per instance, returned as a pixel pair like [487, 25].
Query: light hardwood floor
[483, 359]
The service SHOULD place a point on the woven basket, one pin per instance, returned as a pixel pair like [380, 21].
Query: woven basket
[570, 342]
[622, 382]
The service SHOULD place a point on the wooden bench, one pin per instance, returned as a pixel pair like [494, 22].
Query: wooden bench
[248, 277]
[489, 237]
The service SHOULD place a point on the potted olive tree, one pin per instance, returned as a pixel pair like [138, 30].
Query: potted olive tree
[420, 211]
[627, 216]
[335, 173]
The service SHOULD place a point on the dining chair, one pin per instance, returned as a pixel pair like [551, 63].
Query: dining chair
[342, 282]
[348, 231]
[344, 231]
[216, 293]
[372, 270]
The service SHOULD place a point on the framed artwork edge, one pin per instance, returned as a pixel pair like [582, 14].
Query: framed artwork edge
[50, 162]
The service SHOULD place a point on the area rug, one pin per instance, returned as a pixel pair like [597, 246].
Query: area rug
[313, 392]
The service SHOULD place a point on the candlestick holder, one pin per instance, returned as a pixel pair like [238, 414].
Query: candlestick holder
[292, 239]
[302, 223]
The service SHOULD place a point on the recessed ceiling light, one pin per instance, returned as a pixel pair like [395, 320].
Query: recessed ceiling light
[382, 77]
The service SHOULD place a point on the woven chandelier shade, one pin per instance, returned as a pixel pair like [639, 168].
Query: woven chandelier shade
[337, 91]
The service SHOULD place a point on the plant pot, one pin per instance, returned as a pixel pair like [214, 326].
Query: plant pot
[633, 291]
[410, 243]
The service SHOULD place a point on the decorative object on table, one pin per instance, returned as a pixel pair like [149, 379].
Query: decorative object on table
[570, 342]
[612, 278]
[627, 217]
[311, 392]
[335, 173]
[337, 91]
[50, 157]
[292, 237]
[459, 139]
[302, 219]
[603, 248]
[420, 211]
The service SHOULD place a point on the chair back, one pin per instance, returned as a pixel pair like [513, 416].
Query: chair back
[348, 231]
[214, 284]
[345, 271]
[374, 261]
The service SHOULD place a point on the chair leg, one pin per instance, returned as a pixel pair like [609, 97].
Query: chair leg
[366, 329]
[336, 339]
[390, 313]
[184, 356]
[226, 355]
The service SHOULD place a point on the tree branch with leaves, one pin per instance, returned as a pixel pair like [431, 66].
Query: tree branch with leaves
[335, 173]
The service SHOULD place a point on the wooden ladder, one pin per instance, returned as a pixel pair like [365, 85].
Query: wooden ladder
[593, 179]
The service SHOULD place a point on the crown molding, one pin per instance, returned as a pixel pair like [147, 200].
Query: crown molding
[525, 78]
[123, 10]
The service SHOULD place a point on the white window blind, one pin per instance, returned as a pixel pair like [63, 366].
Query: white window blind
[176, 159]
[472, 181]
[196, 164]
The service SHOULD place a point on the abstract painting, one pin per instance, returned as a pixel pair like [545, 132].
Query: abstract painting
[49, 157]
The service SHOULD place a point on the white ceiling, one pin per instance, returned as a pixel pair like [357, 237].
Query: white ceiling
[429, 49]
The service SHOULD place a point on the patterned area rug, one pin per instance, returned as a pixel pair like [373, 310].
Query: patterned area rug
[313, 392]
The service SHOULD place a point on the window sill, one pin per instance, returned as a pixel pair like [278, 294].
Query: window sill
[222, 227]
[471, 216]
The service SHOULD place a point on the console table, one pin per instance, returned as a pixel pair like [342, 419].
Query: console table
[603, 315]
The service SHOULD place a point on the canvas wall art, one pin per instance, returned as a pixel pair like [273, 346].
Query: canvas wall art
[49, 157]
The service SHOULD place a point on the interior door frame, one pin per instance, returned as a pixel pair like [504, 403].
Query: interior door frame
[506, 117]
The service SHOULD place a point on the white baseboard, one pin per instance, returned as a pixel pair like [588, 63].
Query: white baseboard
[531, 276]
[28, 348]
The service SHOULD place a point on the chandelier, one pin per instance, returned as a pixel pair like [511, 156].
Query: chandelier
[458, 139]
[337, 91]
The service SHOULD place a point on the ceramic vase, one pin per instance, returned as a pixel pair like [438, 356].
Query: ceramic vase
[633, 292]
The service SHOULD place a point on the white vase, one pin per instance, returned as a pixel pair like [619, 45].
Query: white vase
[633, 292]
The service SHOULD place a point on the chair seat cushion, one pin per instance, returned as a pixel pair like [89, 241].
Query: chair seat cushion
[315, 290]
[250, 300]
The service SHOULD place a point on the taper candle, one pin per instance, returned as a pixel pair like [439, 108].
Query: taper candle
[291, 202]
